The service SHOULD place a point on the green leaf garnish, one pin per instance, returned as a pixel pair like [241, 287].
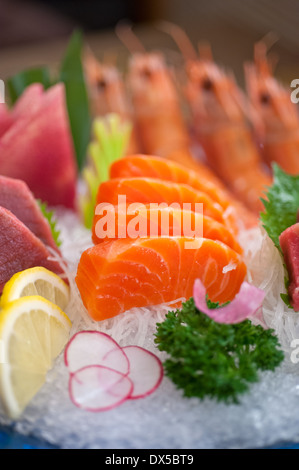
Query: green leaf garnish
[282, 205]
[50, 216]
[111, 137]
[281, 211]
[216, 360]
[285, 297]
[72, 75]
[214, 305]
[17, 84]
[286, 300]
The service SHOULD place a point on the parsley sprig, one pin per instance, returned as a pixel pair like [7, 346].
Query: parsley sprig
[216, 360]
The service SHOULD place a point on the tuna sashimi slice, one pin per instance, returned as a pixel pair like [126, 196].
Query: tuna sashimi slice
[5, 119]
[289, 242]
[115, 276]
[38, 149]
[29, 102]
[20, 248]
[18, 199]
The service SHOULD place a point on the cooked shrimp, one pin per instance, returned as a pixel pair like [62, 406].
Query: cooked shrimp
[220, 123]
[278, 127]
[108, 94]
[159, 121]
[158, 115]
[221, 126]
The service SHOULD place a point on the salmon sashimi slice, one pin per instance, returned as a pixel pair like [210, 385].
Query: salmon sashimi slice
[20, 249]
[18, 199]
[123, 222]
[157, 167]
[117, 275]
[156, 191]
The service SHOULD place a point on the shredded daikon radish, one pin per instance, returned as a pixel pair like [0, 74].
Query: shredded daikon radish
[266, 271]
[229, 267]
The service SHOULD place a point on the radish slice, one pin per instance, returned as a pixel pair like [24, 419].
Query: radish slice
[146, 371]
[87, 348]
[246, 304]
[98, 388]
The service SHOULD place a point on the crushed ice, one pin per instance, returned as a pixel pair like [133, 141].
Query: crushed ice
[268, 414]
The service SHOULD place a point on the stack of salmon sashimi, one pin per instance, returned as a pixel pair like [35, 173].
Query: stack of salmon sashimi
[129, 266]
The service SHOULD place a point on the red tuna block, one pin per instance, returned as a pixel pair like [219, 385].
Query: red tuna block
[38, 146]
[18, 199]
[5, 119]
[29, 102]
[20, 249]
[289, 242]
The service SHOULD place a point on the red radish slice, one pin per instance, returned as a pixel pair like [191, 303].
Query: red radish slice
[247, 303]
[88, 348]
[146, 371]
[97, 388]
[112, 360]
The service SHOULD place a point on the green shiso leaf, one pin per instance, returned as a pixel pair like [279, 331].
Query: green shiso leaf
[281, 209]
[215, 360]
[17, 84]
[50, 216]
[72, 75]
[282, 205]
[286, 299]
[111, 137]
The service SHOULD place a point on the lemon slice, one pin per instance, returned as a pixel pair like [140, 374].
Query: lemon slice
[36, 281]
[33, 332]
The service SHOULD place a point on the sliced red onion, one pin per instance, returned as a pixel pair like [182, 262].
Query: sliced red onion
[98, 388]
[88, 348]
[146, 371]
[247, 303]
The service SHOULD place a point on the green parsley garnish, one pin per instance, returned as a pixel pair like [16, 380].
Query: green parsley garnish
[214, 305]
[216, 360]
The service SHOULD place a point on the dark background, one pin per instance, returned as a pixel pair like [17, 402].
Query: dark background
[31, 20]
[33, 32]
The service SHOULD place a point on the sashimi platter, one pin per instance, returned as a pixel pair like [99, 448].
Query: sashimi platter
[149, 261]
